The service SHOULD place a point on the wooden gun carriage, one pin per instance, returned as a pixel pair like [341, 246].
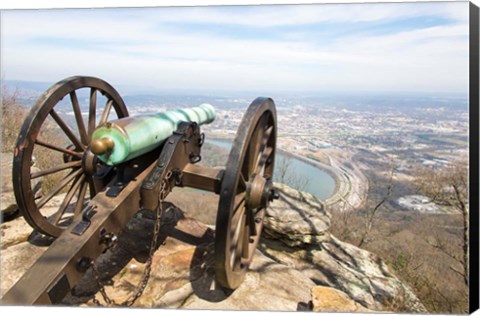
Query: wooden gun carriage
[113, 165]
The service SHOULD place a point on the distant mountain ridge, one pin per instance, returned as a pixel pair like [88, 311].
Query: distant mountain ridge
[360, 101]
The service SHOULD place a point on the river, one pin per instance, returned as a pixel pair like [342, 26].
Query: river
[316, 181]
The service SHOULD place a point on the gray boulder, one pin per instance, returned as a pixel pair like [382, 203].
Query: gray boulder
[327, 261]
[296, 218]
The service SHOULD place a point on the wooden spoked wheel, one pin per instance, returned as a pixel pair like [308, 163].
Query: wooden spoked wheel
[52, 151]
[245, 193]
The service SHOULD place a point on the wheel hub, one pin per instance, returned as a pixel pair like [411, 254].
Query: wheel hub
[89, 162]
[259, 191]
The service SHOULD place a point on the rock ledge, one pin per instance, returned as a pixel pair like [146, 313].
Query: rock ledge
[298, 264]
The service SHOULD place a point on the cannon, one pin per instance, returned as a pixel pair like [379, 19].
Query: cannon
[98, 171]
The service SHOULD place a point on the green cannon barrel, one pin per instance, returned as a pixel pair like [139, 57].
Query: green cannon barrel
[121, 140]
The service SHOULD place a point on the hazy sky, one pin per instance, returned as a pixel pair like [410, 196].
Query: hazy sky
[421, 47]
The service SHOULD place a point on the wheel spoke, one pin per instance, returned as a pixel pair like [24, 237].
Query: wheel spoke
[237, 243]
[238, 230]
[55, 169]
[267, 132]
[235, 233]
[58, 188]
[81, 198]
[251, 222]
[66, 129]
[106, 112]
[239, 201]
[255, 146]
[246, 238]
[238, 212]
[59, 149]
[78, 117]
[262, 160]
[266, 136]
[92, 112]
[242, 183]
[68, 198]
[91, 185]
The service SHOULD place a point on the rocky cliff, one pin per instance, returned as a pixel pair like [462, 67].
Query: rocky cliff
[299, 265]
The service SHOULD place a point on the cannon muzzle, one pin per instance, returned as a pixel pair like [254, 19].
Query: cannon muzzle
[121, 140]
[102, 146]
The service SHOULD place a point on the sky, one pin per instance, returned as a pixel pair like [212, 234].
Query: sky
[380, 47]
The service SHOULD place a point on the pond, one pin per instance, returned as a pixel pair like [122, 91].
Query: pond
[312, 179]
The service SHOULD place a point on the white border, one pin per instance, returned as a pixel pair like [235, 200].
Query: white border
[51, 4]
[57, 4]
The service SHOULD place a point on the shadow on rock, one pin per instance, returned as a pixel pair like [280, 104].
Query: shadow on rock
[133, 243]
[39, 239]
[202, 274]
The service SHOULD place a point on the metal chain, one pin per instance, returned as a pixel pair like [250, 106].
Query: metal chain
[102, 288]
[164, 190]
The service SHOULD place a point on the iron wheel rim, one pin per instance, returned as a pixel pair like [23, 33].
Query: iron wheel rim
[234, 244]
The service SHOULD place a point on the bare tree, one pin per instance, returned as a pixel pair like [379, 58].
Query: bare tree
[371, 214]
[404, 239]
[448, 187]
[285, 174]
[355, 225]
[342, 223]
[11, 118]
